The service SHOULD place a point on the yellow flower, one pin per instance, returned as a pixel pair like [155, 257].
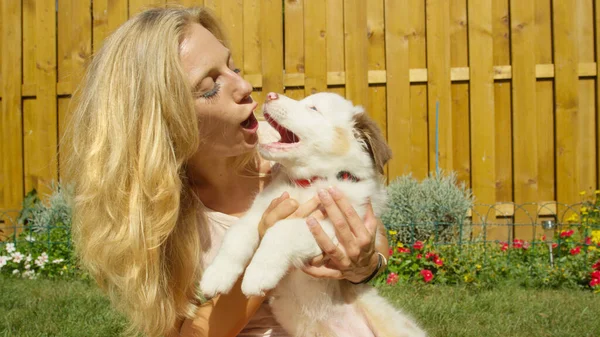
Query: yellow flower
[597, 192]
[392, 232]
[573, 218]
[468, 278]
[400, 245]
[478, 266]
[596, 237]
[582, 193]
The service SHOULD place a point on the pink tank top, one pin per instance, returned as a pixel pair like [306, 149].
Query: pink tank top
[263, 323]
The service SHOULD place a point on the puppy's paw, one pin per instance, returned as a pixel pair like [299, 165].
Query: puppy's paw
[218, 280]
[259, 279]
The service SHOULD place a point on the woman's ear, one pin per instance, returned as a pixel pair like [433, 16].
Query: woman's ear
[368, 131]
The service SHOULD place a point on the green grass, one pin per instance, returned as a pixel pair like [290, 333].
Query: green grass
[72, 308]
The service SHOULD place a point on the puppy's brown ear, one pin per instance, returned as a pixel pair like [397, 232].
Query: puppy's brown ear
[368, 131]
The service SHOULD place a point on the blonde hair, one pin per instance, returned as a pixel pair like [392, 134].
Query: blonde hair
[133, 128]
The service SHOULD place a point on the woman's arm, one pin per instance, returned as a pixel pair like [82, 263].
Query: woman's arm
[223, 316]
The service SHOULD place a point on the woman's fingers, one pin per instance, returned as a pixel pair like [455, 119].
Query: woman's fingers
[342, 230]
[330, 249]
[307, 208]
[360, 230]
[323, 272]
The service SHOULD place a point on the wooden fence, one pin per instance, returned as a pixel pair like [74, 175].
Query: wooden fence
[516, 81]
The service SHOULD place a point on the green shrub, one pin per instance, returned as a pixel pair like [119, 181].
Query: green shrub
[43, 245]
[436, 207]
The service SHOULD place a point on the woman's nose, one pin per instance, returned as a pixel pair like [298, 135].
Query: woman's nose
[244, 89]
[272, 96]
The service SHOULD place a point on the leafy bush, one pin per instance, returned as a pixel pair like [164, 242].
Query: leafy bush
[43, 246]
[437, 207]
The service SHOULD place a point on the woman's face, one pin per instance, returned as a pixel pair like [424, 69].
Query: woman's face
[222, 99]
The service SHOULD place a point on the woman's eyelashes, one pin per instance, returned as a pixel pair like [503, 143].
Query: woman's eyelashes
[212, 93]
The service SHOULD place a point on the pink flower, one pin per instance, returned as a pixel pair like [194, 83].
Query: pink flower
[503, 246]
[575, 250]
[427, 275]
[566, 234]
[596, 265]
[596, 274]
[418, 245]
[525, 245]
[594, 282]
[392, 279]
[439, 262]
[431, 256]
[518, 243]
[419, 256]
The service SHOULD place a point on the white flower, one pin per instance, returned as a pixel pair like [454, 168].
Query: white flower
[17, 257]
[4, 260]
[27, 266]
[29, 238]
[10, 247]
[28, 258]
[15, 271]
[57, 261]
[43, 257]
[30, 274]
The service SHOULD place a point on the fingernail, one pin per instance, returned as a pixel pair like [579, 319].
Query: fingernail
[333, 191]
[323, 193]
[311, 222]
[283, 195]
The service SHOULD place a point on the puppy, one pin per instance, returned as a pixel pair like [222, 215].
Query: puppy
[324, 141]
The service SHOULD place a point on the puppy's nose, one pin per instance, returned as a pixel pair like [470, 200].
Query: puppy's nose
[272, 96]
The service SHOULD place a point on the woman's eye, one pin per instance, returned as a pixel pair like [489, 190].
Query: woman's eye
[313, 107]
[212, 92]
[237, 70]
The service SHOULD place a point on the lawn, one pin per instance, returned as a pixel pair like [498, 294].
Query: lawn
[63, 308]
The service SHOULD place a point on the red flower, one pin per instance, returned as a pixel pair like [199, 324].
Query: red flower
[392, 279]
[543, 238]
[566, 234]
[575, 250]
[596, 274]
[518, 243]
[594, 282]
[418, 245]
[596, 265]
[431, 256]
[554, 245]
[391, 251]
[403, 250]
[588, 241]
[419, 256]
[427, 275]
[503, 246]
[439, 262]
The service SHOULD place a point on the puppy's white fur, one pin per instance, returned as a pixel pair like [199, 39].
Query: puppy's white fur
[330, 142]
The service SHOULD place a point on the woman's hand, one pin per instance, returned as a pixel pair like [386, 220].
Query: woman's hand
[354, 257]
[284, 207]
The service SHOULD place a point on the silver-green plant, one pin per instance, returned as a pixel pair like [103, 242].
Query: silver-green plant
[57, 211]
[435, 208]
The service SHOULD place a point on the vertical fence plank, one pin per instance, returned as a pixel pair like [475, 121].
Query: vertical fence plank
[295, 42]
[188, 3]
[11, 177]
[439, 85]
[502, 100]
[137, 6]
[252, 46]
[597, 48]
[335, 41]
[233, 22]
[40, 134]
[397, 34]
[2, 176]
[459, 57]
[525, 121]
[545, 102]
[29, 33]
[482, 121]
[355, 47]
[566, 99]
[272, 46]
[419, 150]
[315, 46]
[586, 121]
[376, 61]
[108, 15]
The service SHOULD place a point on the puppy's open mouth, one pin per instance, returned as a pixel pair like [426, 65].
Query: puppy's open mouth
[288, 138]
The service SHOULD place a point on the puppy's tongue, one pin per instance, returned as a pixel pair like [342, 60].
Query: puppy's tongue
[250, 123]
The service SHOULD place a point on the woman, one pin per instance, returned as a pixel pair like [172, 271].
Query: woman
[164, 158]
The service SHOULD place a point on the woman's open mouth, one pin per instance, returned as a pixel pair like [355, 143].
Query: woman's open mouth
[250, 123]
[288, 138]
